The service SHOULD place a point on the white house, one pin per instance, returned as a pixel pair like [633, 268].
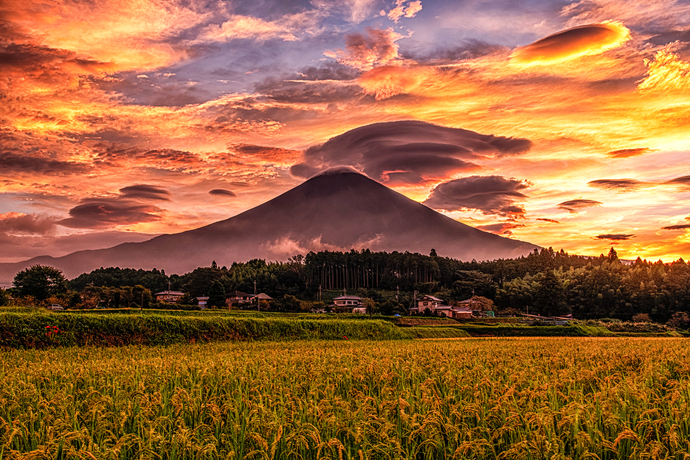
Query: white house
[348, 301]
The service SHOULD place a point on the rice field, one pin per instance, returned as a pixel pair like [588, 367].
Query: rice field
[526, 398]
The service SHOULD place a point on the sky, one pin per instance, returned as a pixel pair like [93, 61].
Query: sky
[562, 123]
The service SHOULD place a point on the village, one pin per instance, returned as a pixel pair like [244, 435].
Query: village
[426, 305]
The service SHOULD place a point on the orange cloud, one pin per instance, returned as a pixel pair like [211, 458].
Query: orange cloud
[666, 73]
[627, 153]
[573, 43]
[130, 34]
[388, 81]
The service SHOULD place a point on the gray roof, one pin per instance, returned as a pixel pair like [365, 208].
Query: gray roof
[169, 293]
[348, 297]
[430, 297]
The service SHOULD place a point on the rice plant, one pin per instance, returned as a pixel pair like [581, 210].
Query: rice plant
[526, 398]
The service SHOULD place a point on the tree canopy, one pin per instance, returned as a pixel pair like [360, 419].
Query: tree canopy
[40, 282]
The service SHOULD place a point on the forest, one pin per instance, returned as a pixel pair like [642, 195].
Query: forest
[546, 282]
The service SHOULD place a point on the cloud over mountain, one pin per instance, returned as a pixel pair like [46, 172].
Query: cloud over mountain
[487, 194]
[145, 192]
[411, 152]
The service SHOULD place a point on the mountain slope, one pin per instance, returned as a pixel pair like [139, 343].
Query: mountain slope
[337, 210]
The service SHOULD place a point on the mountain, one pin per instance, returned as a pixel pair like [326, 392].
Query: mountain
[336, 210]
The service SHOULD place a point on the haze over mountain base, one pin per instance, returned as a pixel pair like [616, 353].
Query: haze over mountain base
[337, 210]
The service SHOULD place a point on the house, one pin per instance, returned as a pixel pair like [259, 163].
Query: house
[462, 312]
[169, 296]
[360, 310]
[262, 296]
[348, 301]
[202, 301]
[237, 297]
[431, 303]
[428, 301]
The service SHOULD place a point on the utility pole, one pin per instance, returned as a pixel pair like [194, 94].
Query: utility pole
[258, 302]
[319, 293]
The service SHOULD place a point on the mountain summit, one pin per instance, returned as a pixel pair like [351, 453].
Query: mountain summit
[337, 210]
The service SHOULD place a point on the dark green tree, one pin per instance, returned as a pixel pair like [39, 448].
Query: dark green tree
[75, 300]
[40, 282]
[141, 296]
[289, 303]
[550, 297]
[216, 295]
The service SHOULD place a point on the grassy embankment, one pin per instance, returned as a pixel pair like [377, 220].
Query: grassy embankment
[38, 328]
[576, 398]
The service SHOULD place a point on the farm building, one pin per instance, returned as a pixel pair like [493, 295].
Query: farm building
[238, 298]
[168, 296]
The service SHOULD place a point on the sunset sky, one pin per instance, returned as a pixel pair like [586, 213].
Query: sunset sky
[560, 123]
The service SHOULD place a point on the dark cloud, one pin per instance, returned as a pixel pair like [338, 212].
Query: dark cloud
[46, 64]
[125, 209]
[677, 227]
[471, 49]
[222, 192]
[330, 70]
[684, 180]
[12, 163]
[233, 117]
[107, 213]
[488, 194]
[621, 185]
[503, 228]
[627, 153]
[576, 205]
[26, 224]
[156, 90]
[548, 220]
[293, 91]
[665, 38]
[407, 151]
[303, 170]
[614, 237]
[145, 192]
[330, 82]
[109, 153]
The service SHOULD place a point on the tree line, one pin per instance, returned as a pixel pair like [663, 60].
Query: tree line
[545, 282]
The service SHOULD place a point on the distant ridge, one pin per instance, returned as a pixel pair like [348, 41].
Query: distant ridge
[337, 210]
